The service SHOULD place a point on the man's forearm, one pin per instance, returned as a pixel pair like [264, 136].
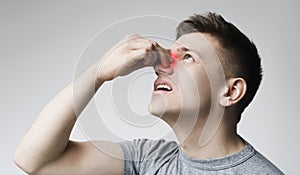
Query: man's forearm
[49, 135]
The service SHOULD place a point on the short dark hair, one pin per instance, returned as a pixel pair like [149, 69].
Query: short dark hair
[239, 56]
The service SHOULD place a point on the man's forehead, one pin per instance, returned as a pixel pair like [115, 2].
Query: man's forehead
[192, 41]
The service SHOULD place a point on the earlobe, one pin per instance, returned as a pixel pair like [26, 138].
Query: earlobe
[234, 92]
[224, 101]
[224, 96]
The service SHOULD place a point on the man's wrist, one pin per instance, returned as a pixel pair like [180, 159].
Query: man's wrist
[98, 82]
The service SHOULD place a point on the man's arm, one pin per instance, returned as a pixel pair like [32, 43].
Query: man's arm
[46, 148]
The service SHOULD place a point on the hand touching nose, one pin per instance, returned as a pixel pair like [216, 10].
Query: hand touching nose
[132, 53]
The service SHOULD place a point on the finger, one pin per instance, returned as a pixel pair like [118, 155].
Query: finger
[165, 62]
[151, 54]
[165, 53]
[128, 38]
[135, 56]
[140, 44]
[150, 58]
[134, 61]
[132, 36]
[164, 56]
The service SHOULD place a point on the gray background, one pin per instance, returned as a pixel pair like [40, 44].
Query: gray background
[40, 42]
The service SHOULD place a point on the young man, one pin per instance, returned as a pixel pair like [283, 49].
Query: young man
[204, 82]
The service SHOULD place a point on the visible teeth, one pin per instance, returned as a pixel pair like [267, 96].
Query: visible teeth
[163, 87]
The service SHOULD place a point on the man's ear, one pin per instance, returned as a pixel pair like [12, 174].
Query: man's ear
[233, 92]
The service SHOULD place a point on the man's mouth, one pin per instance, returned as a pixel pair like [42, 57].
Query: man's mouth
[162, 85]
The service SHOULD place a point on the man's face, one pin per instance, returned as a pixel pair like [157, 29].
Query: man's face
[185, 86]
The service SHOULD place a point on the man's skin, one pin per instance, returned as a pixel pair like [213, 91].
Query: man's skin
[46, 148]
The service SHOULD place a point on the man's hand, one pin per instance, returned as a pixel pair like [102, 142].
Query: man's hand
[132, 53]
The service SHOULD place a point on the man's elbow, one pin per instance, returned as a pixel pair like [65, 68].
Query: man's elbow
[25, 163]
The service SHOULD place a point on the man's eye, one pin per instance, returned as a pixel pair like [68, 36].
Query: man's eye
[188, 58]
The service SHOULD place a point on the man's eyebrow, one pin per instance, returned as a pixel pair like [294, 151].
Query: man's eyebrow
[182, 49]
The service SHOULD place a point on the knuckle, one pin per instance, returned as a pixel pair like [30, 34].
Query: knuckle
[127, 45]
[154, 44]
[131, 34]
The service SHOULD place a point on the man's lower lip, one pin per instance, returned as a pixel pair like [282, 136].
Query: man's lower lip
[161, 92]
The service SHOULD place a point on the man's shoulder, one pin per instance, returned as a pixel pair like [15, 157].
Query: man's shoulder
[149, 148]
[259, 164]
[146, 143]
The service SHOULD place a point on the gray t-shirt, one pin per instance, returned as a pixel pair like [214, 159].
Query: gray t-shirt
[147, 157]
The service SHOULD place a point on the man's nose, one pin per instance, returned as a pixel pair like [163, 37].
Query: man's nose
[160, 69]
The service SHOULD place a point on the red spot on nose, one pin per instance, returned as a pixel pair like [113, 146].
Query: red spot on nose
[174, 55]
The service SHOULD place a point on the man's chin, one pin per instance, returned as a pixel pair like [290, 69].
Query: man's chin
[161, 110]
[157, 105]
[160, 106]
[156, 110]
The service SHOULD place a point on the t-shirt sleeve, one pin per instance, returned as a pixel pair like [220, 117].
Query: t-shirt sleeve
[142, 154]
[131, 156]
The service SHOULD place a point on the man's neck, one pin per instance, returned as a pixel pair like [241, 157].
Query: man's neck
[224, 141]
